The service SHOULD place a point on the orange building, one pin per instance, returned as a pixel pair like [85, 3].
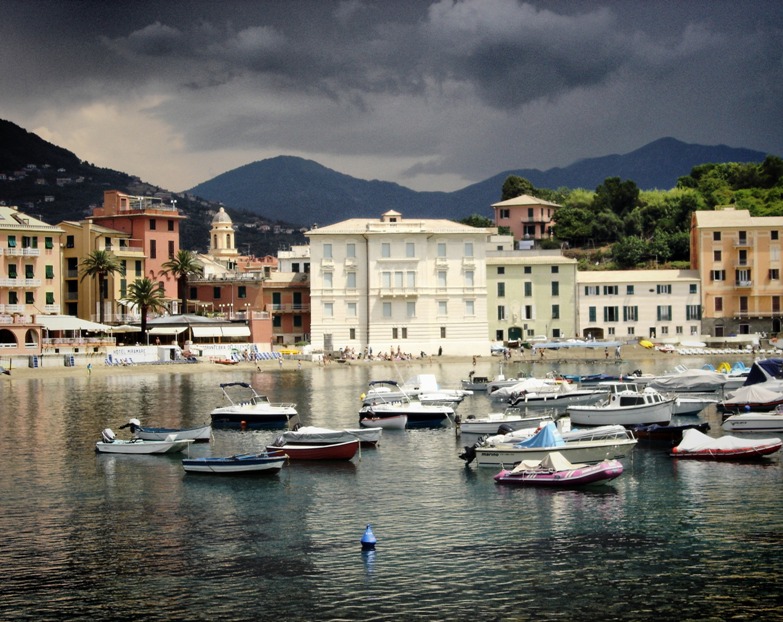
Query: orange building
[738, 259]
[151, 222]
[528, 217]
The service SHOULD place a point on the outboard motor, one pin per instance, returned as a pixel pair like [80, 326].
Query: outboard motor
[505, 428]
[469, 455]
[133, 424]
[107, 435]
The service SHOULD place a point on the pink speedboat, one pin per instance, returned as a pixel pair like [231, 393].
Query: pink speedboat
[556, 471]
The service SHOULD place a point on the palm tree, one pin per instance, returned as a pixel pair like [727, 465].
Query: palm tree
[182, 266]
[146, 295]
[101, 263]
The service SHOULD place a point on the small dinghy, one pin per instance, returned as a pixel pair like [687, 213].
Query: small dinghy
[397, 422]
[245, 464]
[335, 451]
[201, 434]
[697, 445]
[556, 471]
[109, 444]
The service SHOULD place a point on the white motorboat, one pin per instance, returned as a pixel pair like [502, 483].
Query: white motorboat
[755, 422]
[199, 434]
[626, 405]
[394, 422]
[493, 423]
[422, 387]
[252, 410]
[691, 404]
[418, 414]
[109, 444]
[553, 395]
[548, 439]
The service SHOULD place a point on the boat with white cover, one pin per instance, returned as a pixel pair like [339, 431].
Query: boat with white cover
[697, 445]
[626, 405]
[313, 435]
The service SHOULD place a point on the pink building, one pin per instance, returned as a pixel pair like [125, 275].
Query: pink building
[154, 224]
[529, 218]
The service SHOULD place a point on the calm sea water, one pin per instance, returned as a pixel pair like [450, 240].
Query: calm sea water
[97, 537]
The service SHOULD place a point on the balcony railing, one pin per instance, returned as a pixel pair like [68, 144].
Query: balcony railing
[288, 308]
[743, 284]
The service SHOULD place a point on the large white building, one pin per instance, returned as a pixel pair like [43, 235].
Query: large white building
[417, 285]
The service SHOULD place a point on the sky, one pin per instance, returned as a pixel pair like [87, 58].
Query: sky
[433, 95]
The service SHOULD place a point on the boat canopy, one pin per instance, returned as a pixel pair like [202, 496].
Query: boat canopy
[223, 385]
[699, 380]
[763, 370]
[754, 394]
[374, 382]
[693, 440]
[548, 436]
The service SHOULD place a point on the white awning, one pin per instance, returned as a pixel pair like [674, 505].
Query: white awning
[207, 331]
[167, 330]
[69, 322]
[235, 331]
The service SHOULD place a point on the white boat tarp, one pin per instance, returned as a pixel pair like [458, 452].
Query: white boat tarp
[754, 394]
[698, 380]
[693, 440]
[69, 322]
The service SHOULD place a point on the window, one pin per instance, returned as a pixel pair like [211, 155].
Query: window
[718, 275]
[29, 298]
[410, 309]
[631, 330]
[411, 280]
[501, 269]
[11, 271]
[718, 303]
[385, 249]
[556, 333]
[664, 330]
[501, 313]
[50, 298]
[12, 241]
[277, 321]
[350, 281]
[138, 268]
[591, 290]
[70, 241]
[328, 280]
[468, 278]
[775, 304]
[504, 213]
[386, 280]
[328, 309]
[663, 289]
[528, 312]
[629, 290]
[171, 248]
[555, 288]
[470, 308]
[13, 298]
[410, 249]
[468, 249]
[611, 314]
[528, 288]
[398, 280]
[327, 251]
[441, 278]
[610, 330]
[216, 291]
[443, 307]
[387, 310]
[555, 312]
[442, 332]
[716, 255]
[295, 267]
[441, 249]
[591, 314]
[555, 269]
[528, 270]
[774, 274]
[678, 330]
[664, 313]
[501, 290]
[350, 249]
[693, 289]
[716, 236]
[350, 309]
[49, 272]
[610, 290]
[693, 312]
[773, 235]
[29, 271]
[48, 243]
[242, 291]
[499, 335]
[352, 334]
[631, 314]
[153, 224]
[153, 249]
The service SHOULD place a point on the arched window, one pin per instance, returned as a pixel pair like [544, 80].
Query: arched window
[7, 338]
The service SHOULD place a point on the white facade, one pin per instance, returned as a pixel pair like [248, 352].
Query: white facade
[391, 283]
[640, 304]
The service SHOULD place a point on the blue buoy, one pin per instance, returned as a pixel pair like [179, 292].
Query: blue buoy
[368, 539]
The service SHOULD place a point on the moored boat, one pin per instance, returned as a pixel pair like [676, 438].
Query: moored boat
[244, 464]
[252, 410]
[312, 435]
[626, 405]
[418, 414]
[199, 434]
[699, 446]
[666, 433]
[496, 423]
[335, 451]
[755, 421]
[109, 444]
[555, 470]
[393, 422]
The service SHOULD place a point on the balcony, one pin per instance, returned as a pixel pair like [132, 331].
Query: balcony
[10, 282]
[741, 242]
[743, 284]
[288, 308]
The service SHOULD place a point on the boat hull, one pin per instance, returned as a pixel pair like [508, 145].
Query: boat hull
[750, 453]
[575, 452]
[265, 463]
[336, 451]
[393, 422]
[600, 473]
[431, 416]
[557, 403]
[199, 435]
[754, 422]
[491, 425]
[659, 413]
[249, 420]
[140, 447]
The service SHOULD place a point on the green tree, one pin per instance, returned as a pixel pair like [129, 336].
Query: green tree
[629, 252]
[146, 295]
[618, 197]
[182, 266]
[100, 264]
[516, 186]
[476, 220]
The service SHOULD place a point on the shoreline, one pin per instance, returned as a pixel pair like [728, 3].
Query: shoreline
[632, 356]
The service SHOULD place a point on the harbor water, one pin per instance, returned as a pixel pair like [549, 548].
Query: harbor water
[99, 537]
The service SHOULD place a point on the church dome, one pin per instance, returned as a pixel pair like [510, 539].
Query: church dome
[221, 217]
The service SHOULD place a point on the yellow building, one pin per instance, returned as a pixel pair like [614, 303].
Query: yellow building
[738, 259]
[30, 279]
